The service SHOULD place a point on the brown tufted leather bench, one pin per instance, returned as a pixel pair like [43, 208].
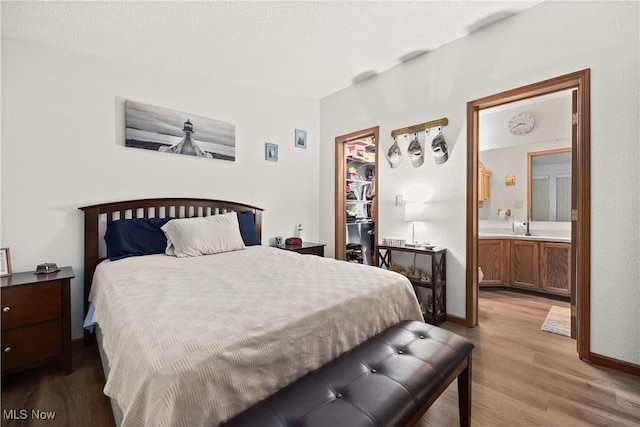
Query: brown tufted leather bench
[389, 380]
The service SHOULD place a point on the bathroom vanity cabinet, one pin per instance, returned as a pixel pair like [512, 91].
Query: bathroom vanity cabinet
[524, 264]
[493, 258]
[535, 265]
[555, 274]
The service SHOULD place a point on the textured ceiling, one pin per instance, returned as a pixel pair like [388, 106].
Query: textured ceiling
[305, 48]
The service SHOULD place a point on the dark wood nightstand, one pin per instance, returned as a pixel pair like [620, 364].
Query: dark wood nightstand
[306, 248]
[36, 320]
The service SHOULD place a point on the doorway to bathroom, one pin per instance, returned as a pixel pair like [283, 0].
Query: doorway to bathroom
[524, 230]
[520, 124]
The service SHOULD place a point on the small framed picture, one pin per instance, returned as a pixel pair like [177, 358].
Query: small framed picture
[301, 138]
[5, 262]
[271, 151]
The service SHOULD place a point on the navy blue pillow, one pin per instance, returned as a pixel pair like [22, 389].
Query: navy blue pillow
[133, 237]
[247, 222]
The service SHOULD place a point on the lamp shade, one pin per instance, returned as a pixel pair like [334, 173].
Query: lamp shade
[415, 211]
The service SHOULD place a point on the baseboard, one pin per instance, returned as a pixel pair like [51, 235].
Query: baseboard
[77, 343]
[618, 365]
[526, 292]
[457, 320]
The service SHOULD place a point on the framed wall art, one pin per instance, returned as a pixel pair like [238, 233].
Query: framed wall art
[161, 129]
[271, 151]
[5, 262]
[301, 138]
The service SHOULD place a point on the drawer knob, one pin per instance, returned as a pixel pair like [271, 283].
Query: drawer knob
[6, 309]
[7, 349]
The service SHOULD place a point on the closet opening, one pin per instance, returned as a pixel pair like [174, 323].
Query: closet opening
[356, 202]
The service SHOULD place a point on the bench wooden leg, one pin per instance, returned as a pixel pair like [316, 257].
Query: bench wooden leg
[464, 395]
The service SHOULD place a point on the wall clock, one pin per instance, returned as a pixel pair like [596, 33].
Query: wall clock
[521, 123]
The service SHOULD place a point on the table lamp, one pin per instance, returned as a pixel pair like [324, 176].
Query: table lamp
[413, 212]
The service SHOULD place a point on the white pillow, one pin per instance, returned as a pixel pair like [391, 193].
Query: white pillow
[187, 237]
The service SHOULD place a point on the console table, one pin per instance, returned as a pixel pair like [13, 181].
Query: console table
[435, 309]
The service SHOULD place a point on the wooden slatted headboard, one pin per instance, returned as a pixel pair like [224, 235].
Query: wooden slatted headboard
[98, 217]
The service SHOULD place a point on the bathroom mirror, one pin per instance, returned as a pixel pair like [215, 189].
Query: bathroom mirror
[549, 185]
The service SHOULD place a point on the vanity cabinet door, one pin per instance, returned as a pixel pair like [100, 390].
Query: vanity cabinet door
[524, 264]
[555, 274]
[493, 258]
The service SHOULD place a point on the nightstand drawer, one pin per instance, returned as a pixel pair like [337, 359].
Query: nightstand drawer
[307, 248]
[29, 344]
[317, 250]
[24, 305]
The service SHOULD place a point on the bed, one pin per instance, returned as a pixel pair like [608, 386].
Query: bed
[196, 340]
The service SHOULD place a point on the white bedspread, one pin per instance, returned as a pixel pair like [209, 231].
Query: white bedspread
[194, 341]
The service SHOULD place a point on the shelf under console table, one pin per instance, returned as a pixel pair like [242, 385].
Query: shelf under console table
[435, 308]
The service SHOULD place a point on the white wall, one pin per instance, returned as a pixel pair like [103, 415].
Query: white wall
[548, 40]
[63, 148]
[552, 115]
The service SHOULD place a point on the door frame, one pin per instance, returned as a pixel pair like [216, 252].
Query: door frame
[581, 246]
[341, 183]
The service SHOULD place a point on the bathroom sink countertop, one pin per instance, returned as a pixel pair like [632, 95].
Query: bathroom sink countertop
[547, 236]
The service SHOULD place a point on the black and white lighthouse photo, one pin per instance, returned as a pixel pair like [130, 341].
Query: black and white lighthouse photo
[161, 129]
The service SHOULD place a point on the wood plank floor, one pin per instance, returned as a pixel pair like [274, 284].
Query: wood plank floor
[521, 377]
[76, 399]
[525, 377]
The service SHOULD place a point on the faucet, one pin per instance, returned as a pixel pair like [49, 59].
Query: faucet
[528, 233]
